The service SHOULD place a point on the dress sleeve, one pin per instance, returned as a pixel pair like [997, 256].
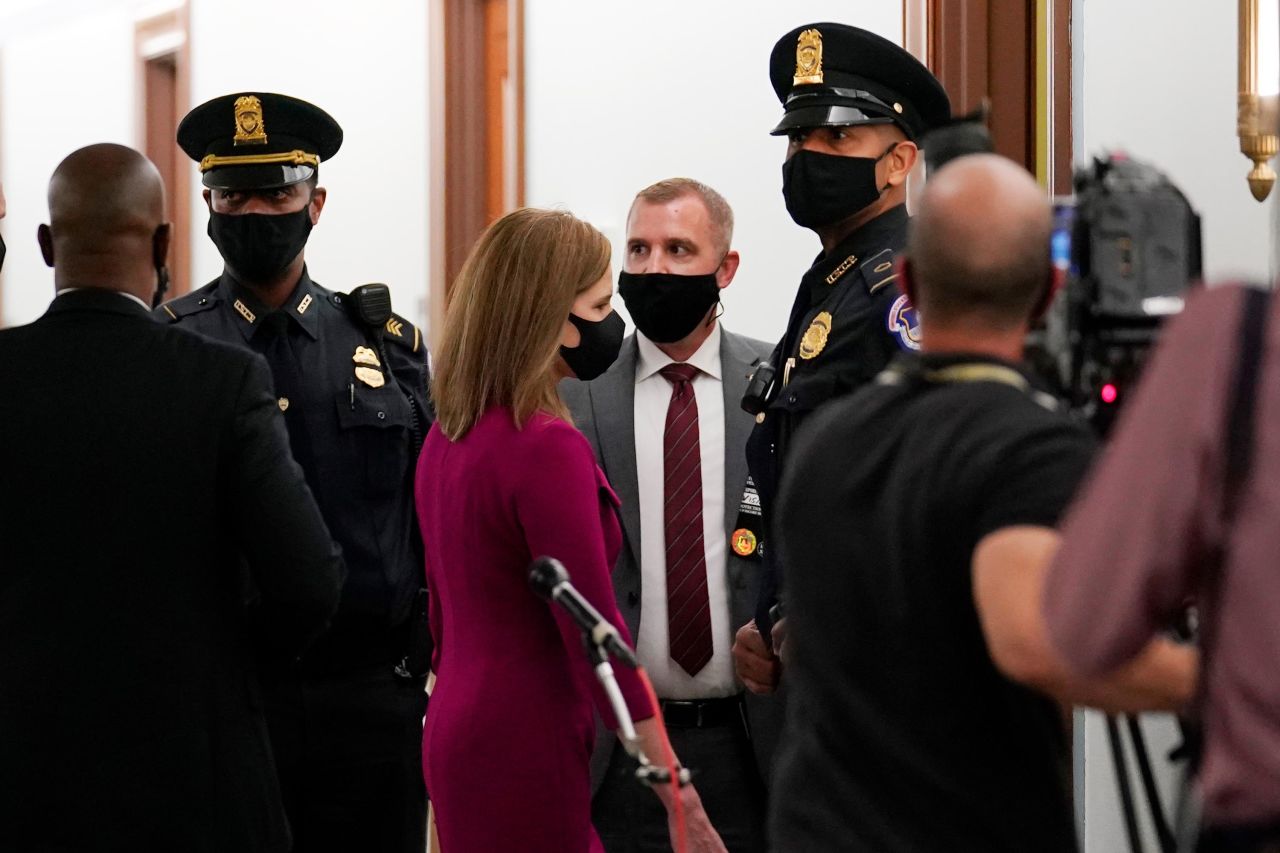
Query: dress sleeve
[1131, 542]
[558, 504]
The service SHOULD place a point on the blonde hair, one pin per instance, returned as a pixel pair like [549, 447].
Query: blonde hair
[505, 315]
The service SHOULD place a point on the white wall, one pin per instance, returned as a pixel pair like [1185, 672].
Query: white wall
[621, 95]
[66, 80]
[365, 64]
[1160, 83]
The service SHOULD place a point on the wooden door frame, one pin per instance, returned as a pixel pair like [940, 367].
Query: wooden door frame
[165, 34]
[465, 148]
[1017, 55]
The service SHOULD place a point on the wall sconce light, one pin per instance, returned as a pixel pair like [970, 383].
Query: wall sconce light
[1258, 103]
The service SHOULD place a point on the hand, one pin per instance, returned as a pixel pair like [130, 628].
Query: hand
[757, 666]
[699, 832]
[779, 635]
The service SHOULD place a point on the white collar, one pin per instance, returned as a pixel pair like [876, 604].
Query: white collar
[117, 292]
[652, 359]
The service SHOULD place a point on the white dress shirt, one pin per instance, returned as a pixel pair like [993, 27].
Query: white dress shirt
[653, 394]
[117, 292]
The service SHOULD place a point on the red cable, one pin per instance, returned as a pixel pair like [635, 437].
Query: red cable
[669, 761]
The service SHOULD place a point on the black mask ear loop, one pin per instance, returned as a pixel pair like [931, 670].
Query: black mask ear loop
[719, 305]
[886, 153]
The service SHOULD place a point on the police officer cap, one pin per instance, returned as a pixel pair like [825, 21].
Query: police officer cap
[835, 75]
[258, 140]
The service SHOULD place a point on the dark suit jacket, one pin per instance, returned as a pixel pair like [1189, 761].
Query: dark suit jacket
[146, 488]
[604, 409]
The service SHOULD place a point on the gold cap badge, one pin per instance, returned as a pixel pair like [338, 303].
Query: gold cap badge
[815, 337]
[808, 58]
[250, 128]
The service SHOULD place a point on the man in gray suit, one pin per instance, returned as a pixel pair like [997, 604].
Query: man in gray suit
[667, 426]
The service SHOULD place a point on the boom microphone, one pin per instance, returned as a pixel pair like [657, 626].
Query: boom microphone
[549, 579]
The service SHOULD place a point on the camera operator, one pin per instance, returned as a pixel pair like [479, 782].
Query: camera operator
[1185, 503]
[922, 508]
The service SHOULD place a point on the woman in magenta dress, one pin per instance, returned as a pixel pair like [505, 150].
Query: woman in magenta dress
[504, 478]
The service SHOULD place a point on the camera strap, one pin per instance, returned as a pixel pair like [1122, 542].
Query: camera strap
[909, 370]
[1240, 423]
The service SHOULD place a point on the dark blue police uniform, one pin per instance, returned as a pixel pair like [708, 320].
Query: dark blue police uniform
[355, 442]
[847, 323]
[346, 718]
[849, 319]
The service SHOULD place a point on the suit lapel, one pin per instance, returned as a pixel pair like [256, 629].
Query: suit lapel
[736, 361]
[613, 410]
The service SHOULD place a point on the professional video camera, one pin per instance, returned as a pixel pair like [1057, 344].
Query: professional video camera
[1128, 246]
[1127, 249]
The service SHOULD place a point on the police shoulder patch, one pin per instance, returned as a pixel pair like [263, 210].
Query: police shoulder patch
[903, 322]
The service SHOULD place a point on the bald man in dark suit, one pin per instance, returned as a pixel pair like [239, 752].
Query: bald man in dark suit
[157, 539]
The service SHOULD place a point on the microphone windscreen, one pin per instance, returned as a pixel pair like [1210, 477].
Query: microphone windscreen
[545, 574]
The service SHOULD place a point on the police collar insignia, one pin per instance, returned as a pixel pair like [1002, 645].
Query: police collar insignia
[244, 311]
[839, 271]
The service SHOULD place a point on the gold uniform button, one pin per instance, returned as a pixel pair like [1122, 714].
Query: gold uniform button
[283, 403]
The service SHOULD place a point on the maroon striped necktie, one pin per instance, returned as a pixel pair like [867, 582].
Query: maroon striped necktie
[688, 610]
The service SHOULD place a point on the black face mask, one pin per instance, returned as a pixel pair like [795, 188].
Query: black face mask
[598, 349]
[667, 307]
[822, 189]
[257, 246]
[2, 251]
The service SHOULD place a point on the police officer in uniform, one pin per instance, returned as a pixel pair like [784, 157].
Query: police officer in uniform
[855, 106]
[351, 379]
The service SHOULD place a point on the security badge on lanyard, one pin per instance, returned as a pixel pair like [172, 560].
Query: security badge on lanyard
[745, 540]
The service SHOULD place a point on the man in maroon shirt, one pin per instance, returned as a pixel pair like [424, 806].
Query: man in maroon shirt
[1135, 547]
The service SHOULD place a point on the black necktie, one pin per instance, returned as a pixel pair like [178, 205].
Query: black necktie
[272, 340]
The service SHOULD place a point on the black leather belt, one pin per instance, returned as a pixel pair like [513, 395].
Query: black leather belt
[702, 713]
